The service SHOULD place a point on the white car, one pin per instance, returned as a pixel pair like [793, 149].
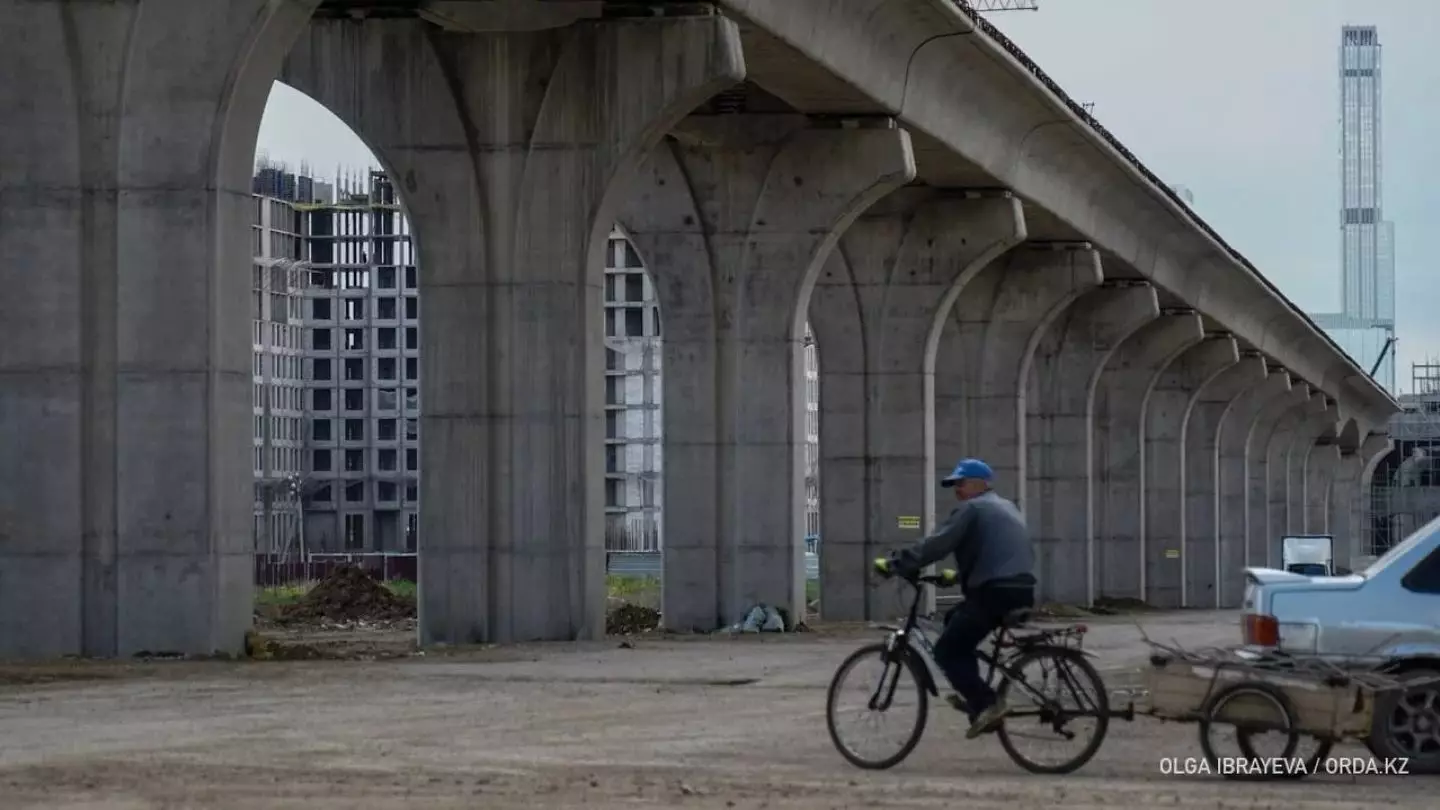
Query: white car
[1387, 617]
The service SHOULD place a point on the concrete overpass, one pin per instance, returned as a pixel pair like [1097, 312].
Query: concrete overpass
[988, 272]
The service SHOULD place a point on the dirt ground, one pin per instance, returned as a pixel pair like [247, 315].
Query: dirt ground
[668, 723]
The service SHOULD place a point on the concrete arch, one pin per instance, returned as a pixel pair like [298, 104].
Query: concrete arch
[1200, 550]
[1262, 478]
[517, 234]
[996, 325]
[1167, 413]
[1067, 368]
[130, 175]
[1235, 499]
[874, 309]
[1277, 454]
[740, 213]
[1117, 418]
[1350, 436]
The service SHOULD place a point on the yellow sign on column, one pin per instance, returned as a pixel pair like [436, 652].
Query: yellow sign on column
[908, 521]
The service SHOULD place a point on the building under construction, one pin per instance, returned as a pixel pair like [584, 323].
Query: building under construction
[1405, 491]
[337, 369]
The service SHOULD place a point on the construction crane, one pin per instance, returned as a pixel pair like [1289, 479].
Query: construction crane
[1003, 5]
[1384, 350]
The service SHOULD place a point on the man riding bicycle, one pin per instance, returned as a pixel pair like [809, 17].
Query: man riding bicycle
[994, 558]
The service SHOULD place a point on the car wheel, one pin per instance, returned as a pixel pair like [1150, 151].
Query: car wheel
[1407, 723]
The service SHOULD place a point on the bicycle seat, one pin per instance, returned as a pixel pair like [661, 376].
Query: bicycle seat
[1017, 618]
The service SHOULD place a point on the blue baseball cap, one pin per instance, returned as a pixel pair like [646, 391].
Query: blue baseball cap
[968, 468]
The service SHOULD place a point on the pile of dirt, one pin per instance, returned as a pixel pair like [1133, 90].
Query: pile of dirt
[1112, 605]
[348, 594]
[628, 619]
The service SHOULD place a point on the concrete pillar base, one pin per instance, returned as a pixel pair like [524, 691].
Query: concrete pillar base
[1121, 392]
[126, 488]
[1200, 548]
[1235, 503]
[513, 174]
[1168, 409]
[874, 310]
[734, 216]
[1060, 441]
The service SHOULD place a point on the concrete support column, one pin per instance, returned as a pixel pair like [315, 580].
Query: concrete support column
[735, 218]
[1119, 463]
[1060, 439]
[1373, 450]
[1321, 467]
[1342, 505]
[126, 454]
[1277, 488]
[875, 310]
[1167, 416]
[512, 174]
[986, 352]
[1235, 504]
[1259, 465]
[1297, 457]
[1200, 551]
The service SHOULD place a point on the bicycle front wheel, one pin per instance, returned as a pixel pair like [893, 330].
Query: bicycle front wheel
[872, 688]
[1062, 699]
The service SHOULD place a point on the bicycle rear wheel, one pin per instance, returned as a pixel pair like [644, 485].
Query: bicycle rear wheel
[888, 681]
[1069, 690]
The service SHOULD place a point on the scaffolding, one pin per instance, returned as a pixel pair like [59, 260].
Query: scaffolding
[1405, 490]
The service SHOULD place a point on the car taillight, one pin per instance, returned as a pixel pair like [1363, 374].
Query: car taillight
[1263, 631]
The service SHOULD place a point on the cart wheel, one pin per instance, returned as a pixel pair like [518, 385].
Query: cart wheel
[1251, 708]
[1313, 760]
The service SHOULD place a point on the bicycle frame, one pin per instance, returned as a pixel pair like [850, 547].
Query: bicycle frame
[916, 641]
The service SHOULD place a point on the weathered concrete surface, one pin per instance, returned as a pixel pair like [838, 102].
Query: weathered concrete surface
[1373, 449]
[929, 65]
[1321, 468]
[876, 311]
[1232, 535]
[1302, 448]
[512, 152]
[1060, 442]
[1120, 396]
[1200, 552]
[125, 370]
[580, 726]
[1257, 454]
[1168, 409]
[986, 352]
[1277, 486]
[734, 217]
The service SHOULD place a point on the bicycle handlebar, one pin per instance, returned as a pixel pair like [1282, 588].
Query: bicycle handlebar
[945, 579]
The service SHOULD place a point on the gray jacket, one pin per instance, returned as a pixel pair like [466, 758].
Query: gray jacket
[991, 545]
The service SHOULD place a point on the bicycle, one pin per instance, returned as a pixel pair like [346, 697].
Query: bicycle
[908, 649]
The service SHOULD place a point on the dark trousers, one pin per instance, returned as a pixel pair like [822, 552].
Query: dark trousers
[966, 626]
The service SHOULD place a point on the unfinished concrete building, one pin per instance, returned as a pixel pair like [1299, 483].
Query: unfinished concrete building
[1405, 490]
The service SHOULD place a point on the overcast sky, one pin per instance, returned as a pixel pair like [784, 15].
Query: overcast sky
[1236, 99]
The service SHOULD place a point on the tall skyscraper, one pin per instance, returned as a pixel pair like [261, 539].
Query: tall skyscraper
[1366, 321]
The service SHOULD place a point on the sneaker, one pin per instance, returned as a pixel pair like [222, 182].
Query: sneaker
[988, 720]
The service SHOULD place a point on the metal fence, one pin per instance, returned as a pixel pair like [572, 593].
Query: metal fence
[272, 571]
[1397, 511]
[634, 534]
